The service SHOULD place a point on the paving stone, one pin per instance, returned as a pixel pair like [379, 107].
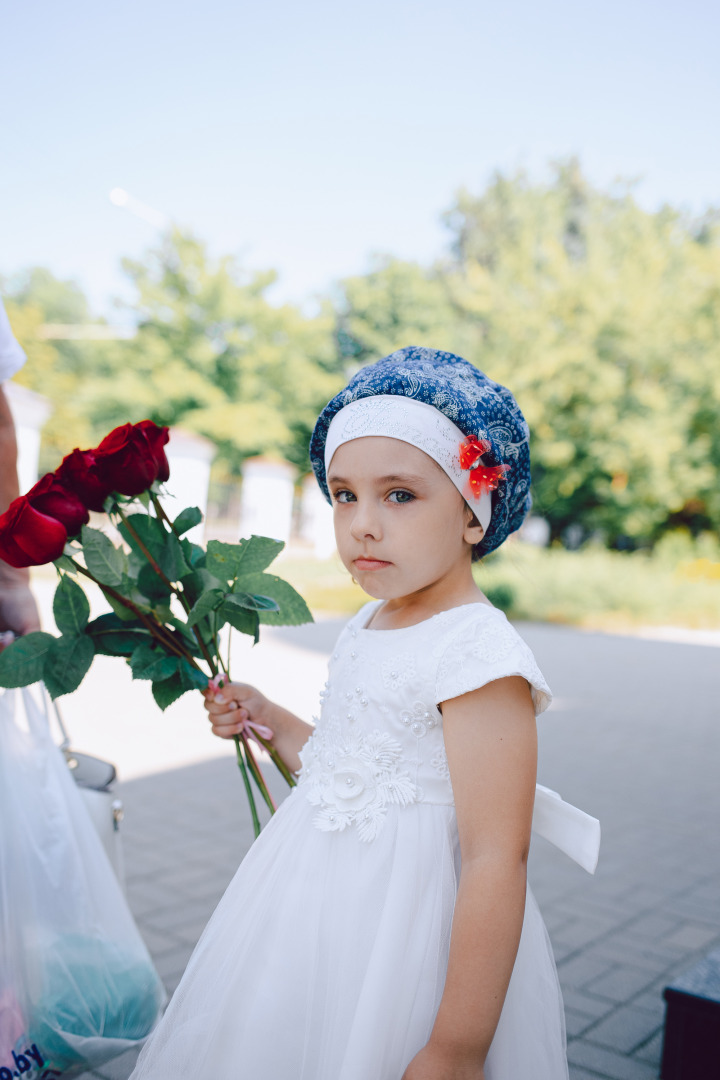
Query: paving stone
[640, 954]
[173, 962]
[176, 917]
[190, 931]
[652, 1050]
[692, 936]
[624, 1030]
[582, 969]
[581, 933]
[158, 941]
[607, 1063]
[593, 1008]
[576, 1022]
[120, 1068]
[621, 984]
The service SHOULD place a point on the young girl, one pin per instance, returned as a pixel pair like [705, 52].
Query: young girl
[381, 927]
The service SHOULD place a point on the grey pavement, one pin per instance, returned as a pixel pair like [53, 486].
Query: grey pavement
[634, 738]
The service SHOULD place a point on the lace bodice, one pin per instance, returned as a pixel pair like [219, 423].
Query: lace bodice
[378, 741]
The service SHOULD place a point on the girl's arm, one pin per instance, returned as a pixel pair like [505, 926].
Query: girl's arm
[236, 702]
[491, 745]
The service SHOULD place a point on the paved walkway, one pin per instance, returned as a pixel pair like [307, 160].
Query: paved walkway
[634, 738]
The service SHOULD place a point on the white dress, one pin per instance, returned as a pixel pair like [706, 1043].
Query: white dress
[326, 958]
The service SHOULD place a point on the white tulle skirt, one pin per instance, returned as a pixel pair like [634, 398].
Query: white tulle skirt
[326, 959]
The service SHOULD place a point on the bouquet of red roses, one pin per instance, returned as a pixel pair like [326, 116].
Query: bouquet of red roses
[169, 598]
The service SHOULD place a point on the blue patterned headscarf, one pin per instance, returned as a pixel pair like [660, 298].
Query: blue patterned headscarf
[477, 405]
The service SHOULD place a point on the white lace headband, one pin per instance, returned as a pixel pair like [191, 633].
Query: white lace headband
[424, 426]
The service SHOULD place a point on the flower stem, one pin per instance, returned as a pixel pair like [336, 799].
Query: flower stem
[178, 592]
[157, 630]
[281, 766]
[248, 788]
[160, 511]
[163, 577]
[257, 775]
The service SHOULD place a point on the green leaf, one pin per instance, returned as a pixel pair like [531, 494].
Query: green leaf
[250, 556]
[70, 607]
[192, 678]
[148, 529]
[199, 582]
[206, 603]
[256, 553]
[22, 662]
[149, 663]
[151, 584]
[293, 609]
[112, 637]
[187, 519]
[172, 559]
[242, 619]
[65, 563]
[67, 663]
[165, 691]
[254, 603]
[120, 610]
[222, 559]
[104, 561]
[194, 554]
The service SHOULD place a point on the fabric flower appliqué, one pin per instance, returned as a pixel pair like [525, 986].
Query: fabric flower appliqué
[354, 781]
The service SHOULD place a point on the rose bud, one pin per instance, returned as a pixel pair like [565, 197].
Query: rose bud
[157, 437]
[79, 472]
[29, 537]
[51, 497]
[126, 461]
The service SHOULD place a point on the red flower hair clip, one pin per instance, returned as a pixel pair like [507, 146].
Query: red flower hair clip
[482, 478]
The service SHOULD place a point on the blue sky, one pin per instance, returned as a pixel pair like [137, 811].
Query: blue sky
[309, 137]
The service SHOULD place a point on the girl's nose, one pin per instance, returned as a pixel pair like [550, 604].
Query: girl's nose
[365, 522]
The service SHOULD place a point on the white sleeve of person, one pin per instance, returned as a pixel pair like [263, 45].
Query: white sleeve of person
[486, 648]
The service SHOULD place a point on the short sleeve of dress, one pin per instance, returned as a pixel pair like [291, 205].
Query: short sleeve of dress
[483, 648]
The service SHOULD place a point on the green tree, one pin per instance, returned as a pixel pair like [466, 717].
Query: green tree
[214, 355]
[397, 304]
[604, 320]
[62, 370]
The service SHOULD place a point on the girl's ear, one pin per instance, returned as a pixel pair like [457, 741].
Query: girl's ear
[473, 532]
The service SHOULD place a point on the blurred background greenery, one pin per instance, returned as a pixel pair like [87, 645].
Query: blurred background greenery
[602, 317]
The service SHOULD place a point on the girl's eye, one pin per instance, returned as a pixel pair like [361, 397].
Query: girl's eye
[400, 497]
[343, 496]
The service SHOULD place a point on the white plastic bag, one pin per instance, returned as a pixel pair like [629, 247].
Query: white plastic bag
[77, 986]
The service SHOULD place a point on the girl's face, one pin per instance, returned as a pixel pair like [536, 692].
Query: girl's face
[401, 525]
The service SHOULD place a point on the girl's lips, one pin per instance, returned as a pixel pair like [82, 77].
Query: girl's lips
[370, 564]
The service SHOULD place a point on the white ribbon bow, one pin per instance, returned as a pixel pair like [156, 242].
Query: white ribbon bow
[570, 829]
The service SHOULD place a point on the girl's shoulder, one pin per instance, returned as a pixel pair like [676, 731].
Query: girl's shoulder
[479, 645]
[459, 650]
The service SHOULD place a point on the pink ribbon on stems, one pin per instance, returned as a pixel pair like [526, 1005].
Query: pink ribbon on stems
[247, 727]
[250, 727]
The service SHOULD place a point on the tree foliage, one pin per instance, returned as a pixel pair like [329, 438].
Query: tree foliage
[214, 355]
[603, 319]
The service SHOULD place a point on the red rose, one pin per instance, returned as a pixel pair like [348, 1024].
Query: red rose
[79, 472]
[131, 458]
[29, 537]
[51, 497]
[157, 438]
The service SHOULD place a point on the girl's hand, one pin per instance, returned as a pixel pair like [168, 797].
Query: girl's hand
[433, 1063]
[234, 703]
